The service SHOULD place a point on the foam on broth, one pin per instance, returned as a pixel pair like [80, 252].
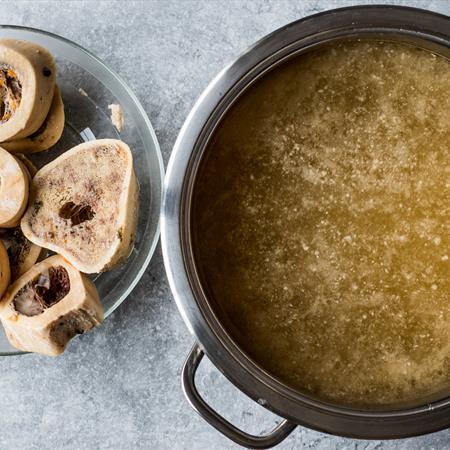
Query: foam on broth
[322, 222]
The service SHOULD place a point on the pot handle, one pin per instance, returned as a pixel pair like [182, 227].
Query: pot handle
[278, 434]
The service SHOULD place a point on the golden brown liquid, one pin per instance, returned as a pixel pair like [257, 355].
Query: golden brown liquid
[322, 223]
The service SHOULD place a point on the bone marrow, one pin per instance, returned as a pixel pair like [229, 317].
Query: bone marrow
[48, 305]
[76, 214]
[27, 85]
[83, 205]
[39, 294]
[10, 92]
[72, 324]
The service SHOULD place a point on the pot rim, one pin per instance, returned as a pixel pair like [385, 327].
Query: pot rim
[417, 26]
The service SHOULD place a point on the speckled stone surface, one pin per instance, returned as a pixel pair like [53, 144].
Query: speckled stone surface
[119, 387]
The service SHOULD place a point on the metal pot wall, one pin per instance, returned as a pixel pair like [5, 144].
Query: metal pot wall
[421, 28]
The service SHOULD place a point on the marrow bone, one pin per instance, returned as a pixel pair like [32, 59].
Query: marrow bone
[49, 305]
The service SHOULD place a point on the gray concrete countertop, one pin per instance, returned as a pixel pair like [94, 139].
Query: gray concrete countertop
[119, 387]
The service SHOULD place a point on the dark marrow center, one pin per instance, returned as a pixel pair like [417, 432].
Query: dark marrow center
[10, 92]
[76, 213]
[43, 292]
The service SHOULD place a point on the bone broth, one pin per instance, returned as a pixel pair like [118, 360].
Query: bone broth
[321, 223]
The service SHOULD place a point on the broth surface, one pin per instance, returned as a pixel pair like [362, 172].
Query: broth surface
[321, 223]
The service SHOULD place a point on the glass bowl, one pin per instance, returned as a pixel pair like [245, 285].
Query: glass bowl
[88, 87]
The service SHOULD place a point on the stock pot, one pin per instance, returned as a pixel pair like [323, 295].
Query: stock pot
[408, 25]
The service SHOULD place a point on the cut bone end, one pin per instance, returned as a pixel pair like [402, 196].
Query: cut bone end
[83, 205]
[35, 70]
[14, 188]
[49, 305]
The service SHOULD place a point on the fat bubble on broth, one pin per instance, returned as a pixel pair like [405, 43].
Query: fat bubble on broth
[322, 218]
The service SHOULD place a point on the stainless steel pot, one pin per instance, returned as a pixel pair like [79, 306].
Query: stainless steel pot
[421, 28]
